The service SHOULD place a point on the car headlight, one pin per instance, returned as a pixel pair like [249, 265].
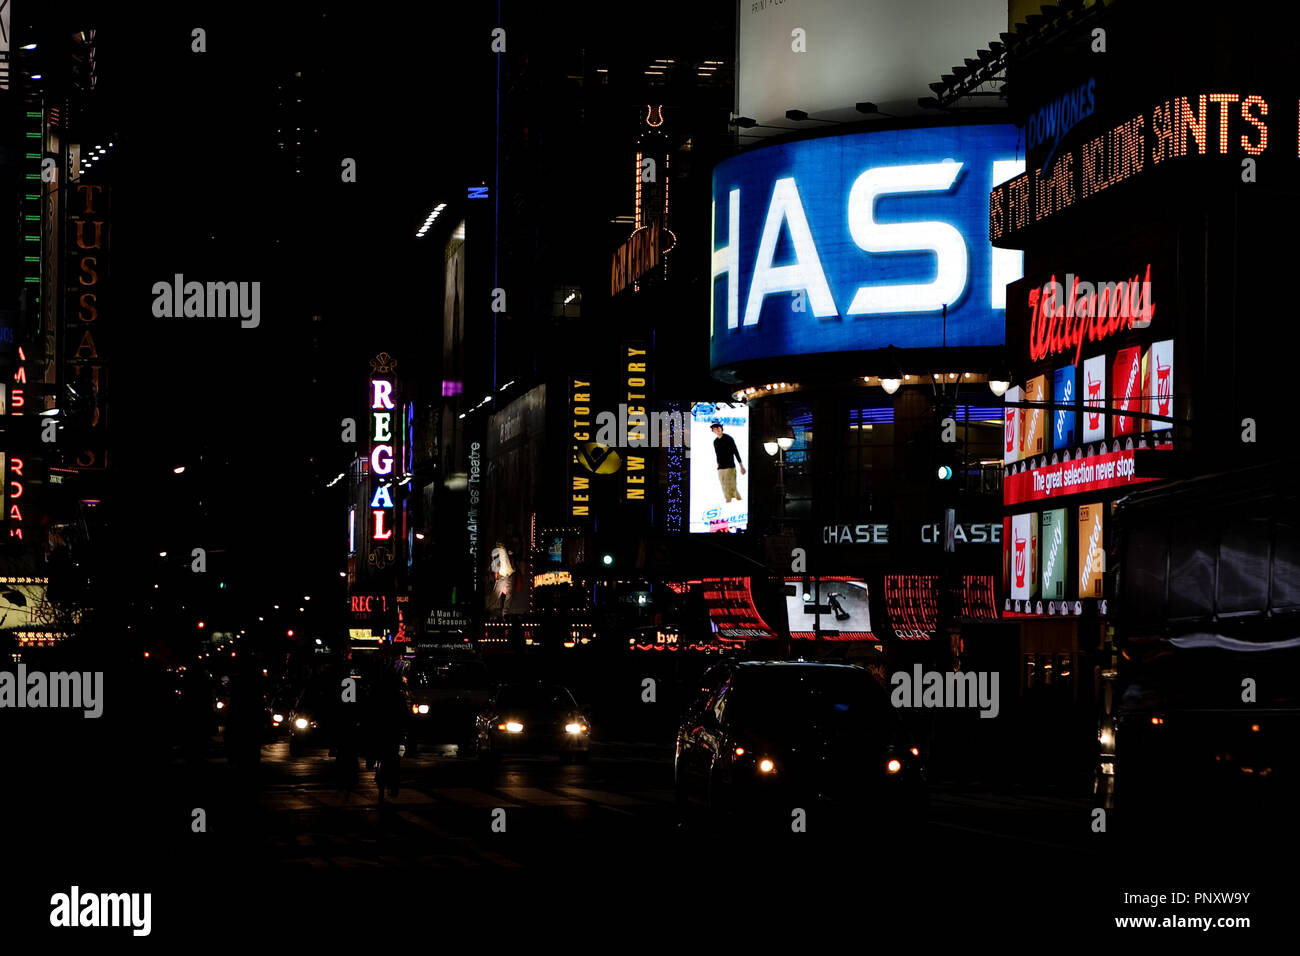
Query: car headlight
[894, 766]
[576, 728]
[301, 723]
[422, 709]
[278, 718]
[766, 765]
[220, 704]
[514, 727]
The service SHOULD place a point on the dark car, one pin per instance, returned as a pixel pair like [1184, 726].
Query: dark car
[534, 719]
[445, 697]
[764, 735]
[310, 718]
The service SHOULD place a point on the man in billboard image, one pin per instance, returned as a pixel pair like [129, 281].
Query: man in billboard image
[724, 446]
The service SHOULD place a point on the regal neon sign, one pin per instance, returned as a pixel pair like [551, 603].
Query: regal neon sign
[1060, 320]
[381, 457]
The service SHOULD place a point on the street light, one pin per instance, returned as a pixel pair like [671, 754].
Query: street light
[1000, 380]
[777, 447]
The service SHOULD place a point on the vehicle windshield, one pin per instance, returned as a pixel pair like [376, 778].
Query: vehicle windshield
[781, 700]
[535, 697]
[465, 676]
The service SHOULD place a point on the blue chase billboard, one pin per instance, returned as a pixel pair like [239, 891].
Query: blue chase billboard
[857, 242]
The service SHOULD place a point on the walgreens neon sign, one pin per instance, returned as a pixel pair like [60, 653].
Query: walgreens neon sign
[1062, 321]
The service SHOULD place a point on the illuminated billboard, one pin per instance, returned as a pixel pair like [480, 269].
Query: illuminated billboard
[1056, 549]
[1092, 554]
[858, 242]
[1024, 556]
[1158, 383]
[1013, 444]
[1126, 381]
[1031, 437]
[815, 54]
[850, 611]
[719, 467]
[1094, 385]
[1063, 419]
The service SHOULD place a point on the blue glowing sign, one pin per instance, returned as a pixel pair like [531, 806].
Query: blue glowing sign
[1063, 419]
[857, 242]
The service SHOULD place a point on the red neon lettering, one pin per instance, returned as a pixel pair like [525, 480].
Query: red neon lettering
[16, 466]
[15, 490]
[1055, 327]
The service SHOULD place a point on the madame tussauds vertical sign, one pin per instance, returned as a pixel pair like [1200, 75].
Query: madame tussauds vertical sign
[84, 358]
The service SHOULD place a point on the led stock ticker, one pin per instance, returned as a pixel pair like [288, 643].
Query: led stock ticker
[1232, 125]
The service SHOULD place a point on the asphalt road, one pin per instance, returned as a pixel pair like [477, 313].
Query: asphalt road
[291, 853]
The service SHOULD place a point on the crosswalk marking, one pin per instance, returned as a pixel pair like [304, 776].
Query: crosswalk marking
[472, 797]
[604, 796]
[490, 855]
[539, 797]
[1007, 802]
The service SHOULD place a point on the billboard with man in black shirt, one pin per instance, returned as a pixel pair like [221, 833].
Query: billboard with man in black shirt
[719, 473]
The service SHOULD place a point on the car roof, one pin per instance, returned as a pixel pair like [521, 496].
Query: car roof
[796, 665]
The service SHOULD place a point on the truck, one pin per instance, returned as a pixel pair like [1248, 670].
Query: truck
[1200, 703]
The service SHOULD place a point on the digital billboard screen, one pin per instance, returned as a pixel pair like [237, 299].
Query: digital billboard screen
[850, 609]
[860, 241]
[719, 467]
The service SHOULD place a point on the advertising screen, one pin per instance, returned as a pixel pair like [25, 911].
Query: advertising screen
[1035, 418]
[1126, 382]
[719, 466]
[1158, 383]
[850, 612]
[1056, 544]
[858, 242]
[814, 53]
[1094, 399]
[1024, 556]
[1063, 419]
[1092, 554]
[1014, 420]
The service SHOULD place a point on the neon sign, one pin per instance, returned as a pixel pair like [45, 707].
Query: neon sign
[381, 457]
[1060, 322]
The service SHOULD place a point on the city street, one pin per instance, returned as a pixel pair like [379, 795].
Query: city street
[874, 523]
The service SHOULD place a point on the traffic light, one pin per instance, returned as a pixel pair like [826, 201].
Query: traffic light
[944, 472]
